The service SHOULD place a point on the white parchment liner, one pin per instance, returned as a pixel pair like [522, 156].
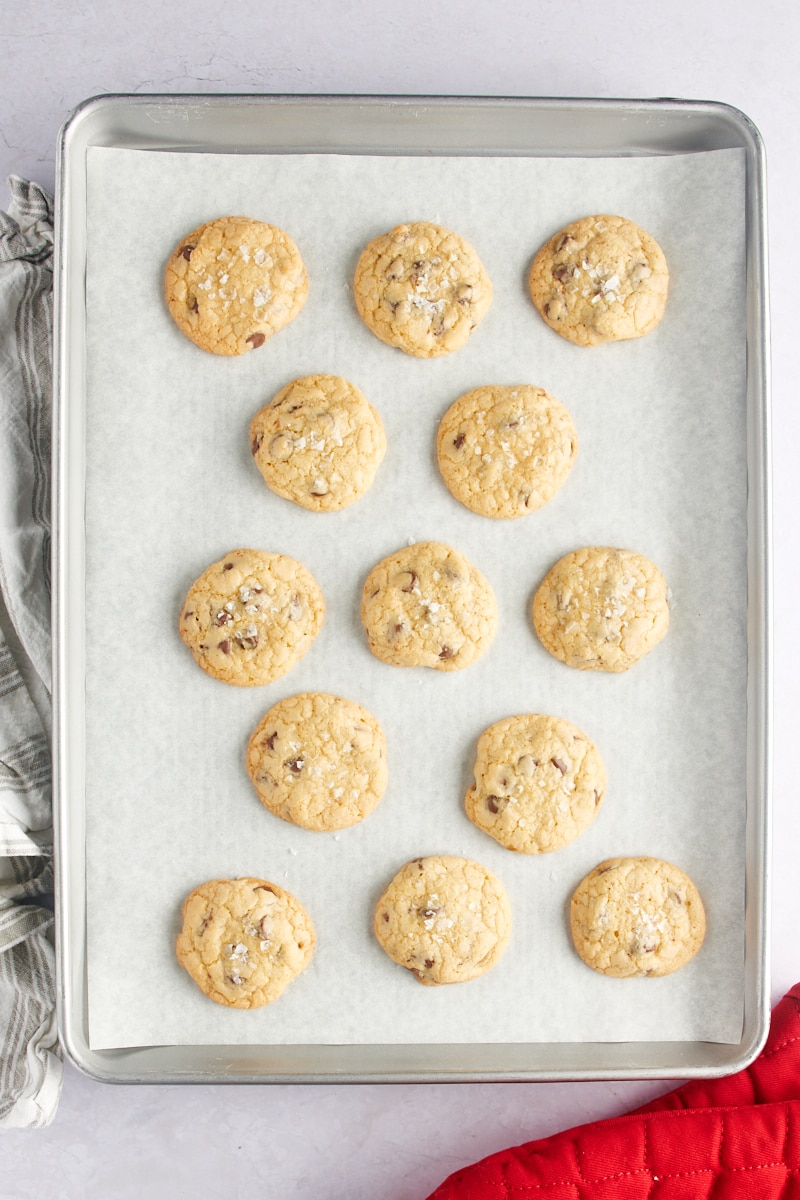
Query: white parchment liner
[170, 487]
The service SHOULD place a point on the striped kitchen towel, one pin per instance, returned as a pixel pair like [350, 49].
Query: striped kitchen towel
[30, 1063]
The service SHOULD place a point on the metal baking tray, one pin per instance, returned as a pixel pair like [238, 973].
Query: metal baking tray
[533, 127]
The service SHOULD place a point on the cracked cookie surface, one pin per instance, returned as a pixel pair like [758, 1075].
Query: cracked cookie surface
[243, 941]
[232, 283]
[539, 782]
[505, 451]
[421, 288]
[251, 616]
[445, 919]
[600, 279]
[319, 443]
[601, 608]
[428, 606]
[318, 761]
[636, 916]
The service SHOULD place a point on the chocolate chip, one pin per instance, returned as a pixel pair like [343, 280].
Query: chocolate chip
[225, 646]
[496, 804]
[559, 765]
[255, 445]
[596, 797]
[193, 304]
[228, 567]
[565, 240]
[428, 913]
[256, 340]
[186, 251]
[233, 979]
[206, 921]
[446, 653]
[270, 741]
[223, 617]
[248, 639]
[295, 765]
[458, 441]
[186, 615]
[385, 916]
[563, 272]
[428, 963]
[411, 581]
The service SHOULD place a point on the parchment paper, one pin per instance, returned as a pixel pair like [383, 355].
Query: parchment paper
[170, 487]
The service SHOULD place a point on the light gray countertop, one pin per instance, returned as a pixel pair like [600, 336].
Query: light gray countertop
[398, 1142]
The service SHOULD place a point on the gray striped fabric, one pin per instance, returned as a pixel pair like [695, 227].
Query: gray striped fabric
[30, 1064]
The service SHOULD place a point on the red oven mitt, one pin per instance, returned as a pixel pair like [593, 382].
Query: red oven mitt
[724, 1139]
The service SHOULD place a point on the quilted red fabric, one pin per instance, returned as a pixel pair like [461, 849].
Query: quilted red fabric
[725, 1139]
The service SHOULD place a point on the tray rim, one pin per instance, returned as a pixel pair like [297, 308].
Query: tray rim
[722, 1058]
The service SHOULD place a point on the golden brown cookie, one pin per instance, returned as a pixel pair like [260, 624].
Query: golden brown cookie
[445, 919]
[319, 442]
[421, 288]
[244, 940]
[600, 279]
[636, 916]
[318, 761]
[428, 606]
[601, 608]
[231, 283]
[505, 451]
[539, 782]
[251, 616]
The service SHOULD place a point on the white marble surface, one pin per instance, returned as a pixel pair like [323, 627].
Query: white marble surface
[398, 1142]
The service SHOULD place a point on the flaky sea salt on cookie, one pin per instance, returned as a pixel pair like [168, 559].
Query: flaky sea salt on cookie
[428, 606]
[319, 443]
[600, 279]
[539, 782]
[445, 919]
[637, 916]
[232, 283]
[421, 288]
[601, 608]
[318, 761]
[251, 616]
[243, 941]
[505, 451]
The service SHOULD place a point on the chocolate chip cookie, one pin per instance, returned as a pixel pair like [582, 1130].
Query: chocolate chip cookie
[319, 442]
[232, 283]
[243, 941]
[428, 606]
[318, 761]
[600, 279]
[422, 289]
[601, 608]
[636, 916]
[445, 919]
[251, 616]
[505, 451]
[539, 782]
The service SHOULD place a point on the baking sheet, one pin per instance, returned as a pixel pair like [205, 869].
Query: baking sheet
[170, 487]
